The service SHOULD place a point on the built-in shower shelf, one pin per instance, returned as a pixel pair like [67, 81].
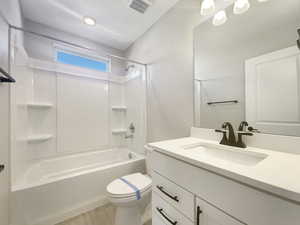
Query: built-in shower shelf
[119, 131]
[119, 108]
[40, 105]
[39, 138]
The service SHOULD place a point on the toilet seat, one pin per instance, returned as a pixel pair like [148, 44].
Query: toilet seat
[130, 186]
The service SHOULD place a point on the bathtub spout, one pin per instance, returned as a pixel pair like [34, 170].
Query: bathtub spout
[129, 136]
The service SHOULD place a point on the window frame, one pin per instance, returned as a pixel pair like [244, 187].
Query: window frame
[81, 53]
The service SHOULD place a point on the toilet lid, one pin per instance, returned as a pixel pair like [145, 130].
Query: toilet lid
[130, 185]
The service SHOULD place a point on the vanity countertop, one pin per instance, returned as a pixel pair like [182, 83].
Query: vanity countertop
[278, 174]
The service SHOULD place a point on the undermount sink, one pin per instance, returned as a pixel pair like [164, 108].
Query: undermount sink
[226, 153]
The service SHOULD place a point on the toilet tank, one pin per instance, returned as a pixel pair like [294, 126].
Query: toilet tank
[148, 151]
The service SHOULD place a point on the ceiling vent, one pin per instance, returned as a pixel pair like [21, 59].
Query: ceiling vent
[140, 5]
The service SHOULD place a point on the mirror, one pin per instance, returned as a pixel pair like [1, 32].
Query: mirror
[249, 69]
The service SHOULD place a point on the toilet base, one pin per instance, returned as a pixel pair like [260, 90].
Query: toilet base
[128, 216]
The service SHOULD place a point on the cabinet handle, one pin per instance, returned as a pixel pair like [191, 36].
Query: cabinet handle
[161, 212]
[161, 188]
[199, 211]
[2, 167]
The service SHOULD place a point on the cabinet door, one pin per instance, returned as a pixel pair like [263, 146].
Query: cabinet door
[209, 215]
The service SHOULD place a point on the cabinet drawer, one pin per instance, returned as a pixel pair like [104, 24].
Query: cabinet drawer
[178, 197]
[156, 220]
[164, 213]
[209, 215]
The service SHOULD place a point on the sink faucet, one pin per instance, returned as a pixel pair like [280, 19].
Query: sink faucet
[231, 140]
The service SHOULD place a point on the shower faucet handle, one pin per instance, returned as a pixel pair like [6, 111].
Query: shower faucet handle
[132, 128]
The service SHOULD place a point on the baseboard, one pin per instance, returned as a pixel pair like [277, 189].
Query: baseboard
[72, 212]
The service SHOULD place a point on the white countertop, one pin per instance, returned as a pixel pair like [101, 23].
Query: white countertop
[278, 174]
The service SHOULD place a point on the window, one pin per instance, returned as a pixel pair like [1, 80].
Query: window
[82, 61]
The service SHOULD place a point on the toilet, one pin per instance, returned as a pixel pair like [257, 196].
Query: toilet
[131, 194]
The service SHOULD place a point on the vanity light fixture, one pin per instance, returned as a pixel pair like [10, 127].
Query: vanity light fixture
[89, 21]
[220, 18]
[241, 6]
[207, 7]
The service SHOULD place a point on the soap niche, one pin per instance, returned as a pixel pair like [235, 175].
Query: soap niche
[41, 133]
[40, 124]
[41, 130]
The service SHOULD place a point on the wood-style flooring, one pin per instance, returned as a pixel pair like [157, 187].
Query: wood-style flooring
[100, 216]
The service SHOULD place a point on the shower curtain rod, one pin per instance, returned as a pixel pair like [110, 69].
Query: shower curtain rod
[73, 44]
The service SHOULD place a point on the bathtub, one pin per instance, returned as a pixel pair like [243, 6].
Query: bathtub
[54, 190]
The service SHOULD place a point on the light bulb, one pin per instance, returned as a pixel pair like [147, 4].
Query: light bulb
[262, 0]
[89, 21]
[207, 7]
[220, 18]
[241, 6]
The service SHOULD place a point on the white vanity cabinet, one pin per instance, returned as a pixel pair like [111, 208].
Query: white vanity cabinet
[173, 205]
[192, 195]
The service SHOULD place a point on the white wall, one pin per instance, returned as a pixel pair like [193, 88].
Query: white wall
[135, 100]
[10, 10]
[168, 49]
[4, 130]
[42, 48]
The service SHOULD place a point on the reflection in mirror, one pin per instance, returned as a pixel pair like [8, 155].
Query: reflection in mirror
[248, 68]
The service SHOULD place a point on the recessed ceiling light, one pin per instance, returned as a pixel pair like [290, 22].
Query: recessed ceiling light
[89, 21]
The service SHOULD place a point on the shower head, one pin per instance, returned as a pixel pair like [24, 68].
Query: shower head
[128, 67]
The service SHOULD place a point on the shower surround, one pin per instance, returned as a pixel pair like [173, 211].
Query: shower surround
[68, 134]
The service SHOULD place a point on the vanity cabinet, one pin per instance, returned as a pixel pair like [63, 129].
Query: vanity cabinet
[173, 205]
[188, 191]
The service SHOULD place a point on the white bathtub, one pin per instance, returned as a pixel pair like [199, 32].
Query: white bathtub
[59, 188]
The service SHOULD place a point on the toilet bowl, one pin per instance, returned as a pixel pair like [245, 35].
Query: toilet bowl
[131, 194]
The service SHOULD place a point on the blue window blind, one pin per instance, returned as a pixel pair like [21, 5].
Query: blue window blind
[75, 60]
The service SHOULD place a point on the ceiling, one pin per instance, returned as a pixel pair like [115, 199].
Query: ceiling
[117, 26]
